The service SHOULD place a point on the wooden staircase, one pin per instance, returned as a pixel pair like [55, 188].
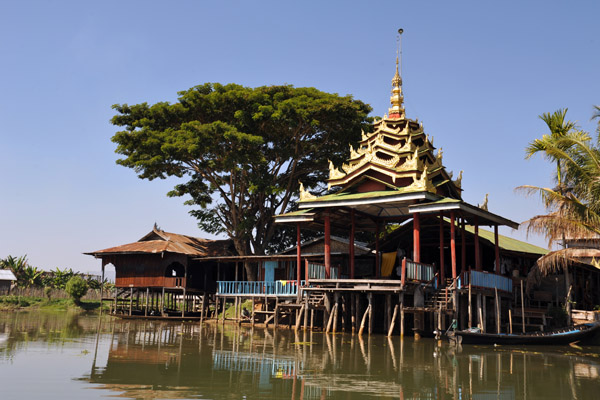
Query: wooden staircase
[442, 298]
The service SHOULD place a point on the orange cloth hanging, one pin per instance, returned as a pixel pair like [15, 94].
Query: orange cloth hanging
[388, 260]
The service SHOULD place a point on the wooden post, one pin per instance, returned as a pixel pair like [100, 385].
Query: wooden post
[393, 321]
[477, 257]
[203, 307]
[101, 287]
[305, 313]
[497, 250]
[184, 302]
[130, 299]
[353, 311]
[463, 247]
[298, 258]
[253, 307]
[402, 314]
[453, 243]
[370, 313]
[470, 309]
[416, 237]
[403, 273]
[442, 263]
[299, 318]
[497, 310]
[522, 308]
[162, 302]
[364, 318]
[331, 318]
[479, 313]
[510, 321]
[335, 312]
[327, 246]
[351, 244]
[147, 297]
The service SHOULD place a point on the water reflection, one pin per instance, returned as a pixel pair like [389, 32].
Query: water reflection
[184, 360]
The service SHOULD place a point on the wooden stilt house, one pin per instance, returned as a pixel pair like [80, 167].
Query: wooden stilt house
[165, 274]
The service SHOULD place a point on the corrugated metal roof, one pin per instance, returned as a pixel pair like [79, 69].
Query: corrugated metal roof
[7, 275]
[159, 241]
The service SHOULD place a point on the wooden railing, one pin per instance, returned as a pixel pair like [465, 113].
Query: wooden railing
[258, 288]
[318, 271]
[415, 271]
[485, 280]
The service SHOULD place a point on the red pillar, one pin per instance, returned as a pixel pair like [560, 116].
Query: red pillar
[463, 246]
[416, 237]
[477, 258]
[351, 249]
[377, 256]
[298, 255]
[497, 249]
[453, 243]
[442, 265]
[327, 247]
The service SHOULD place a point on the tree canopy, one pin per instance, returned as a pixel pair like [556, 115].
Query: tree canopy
[240, 151]
[574, 205]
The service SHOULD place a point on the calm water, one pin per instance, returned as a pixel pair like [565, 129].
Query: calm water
[62, 356]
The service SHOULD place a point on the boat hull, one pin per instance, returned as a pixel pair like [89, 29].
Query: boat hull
[562, 337]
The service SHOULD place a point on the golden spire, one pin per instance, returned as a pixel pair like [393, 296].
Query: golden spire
[397, 111]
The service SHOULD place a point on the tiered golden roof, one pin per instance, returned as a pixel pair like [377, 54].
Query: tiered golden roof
[397, 154]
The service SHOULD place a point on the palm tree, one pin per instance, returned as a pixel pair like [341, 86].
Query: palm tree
[574, 205]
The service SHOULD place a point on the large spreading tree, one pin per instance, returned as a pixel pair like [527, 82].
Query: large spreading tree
[240, 152]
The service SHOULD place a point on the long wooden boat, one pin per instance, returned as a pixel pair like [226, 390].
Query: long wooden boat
[556, 337]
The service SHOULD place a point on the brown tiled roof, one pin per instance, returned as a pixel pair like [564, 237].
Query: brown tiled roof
[158, 241]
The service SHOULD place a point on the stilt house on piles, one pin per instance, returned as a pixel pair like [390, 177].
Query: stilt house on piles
[166, 274]
[439, 265]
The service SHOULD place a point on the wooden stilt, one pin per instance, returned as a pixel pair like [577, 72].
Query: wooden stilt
[470, 309]
[299, 318]
[276, 322]
[364, 318]
[370, 313]
[510, 321]
[305, 313]
[484, 308]
[353, 312]
[497, 310]
[130, 300]
[331, 318]
[393, 321]
[479, 313]
[203, 306]
[401, 315]
[335, 312]
[184, 304]
[253, 307]
[312, 319]
[147, 299]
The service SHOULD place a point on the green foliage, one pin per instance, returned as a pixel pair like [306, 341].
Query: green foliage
[48, 292]
[58, 278]
[240, 151]
[76, 288]
[559, 316]
[574, 205]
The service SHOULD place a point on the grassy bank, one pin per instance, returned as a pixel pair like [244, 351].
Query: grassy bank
[10, 303]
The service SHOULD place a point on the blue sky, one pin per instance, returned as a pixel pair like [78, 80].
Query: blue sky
[477, 73]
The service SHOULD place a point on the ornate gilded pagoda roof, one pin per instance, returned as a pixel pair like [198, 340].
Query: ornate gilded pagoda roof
[396, 156]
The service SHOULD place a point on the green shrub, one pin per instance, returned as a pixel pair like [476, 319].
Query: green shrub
[559, 316]
[48, 292]
[76, 288]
